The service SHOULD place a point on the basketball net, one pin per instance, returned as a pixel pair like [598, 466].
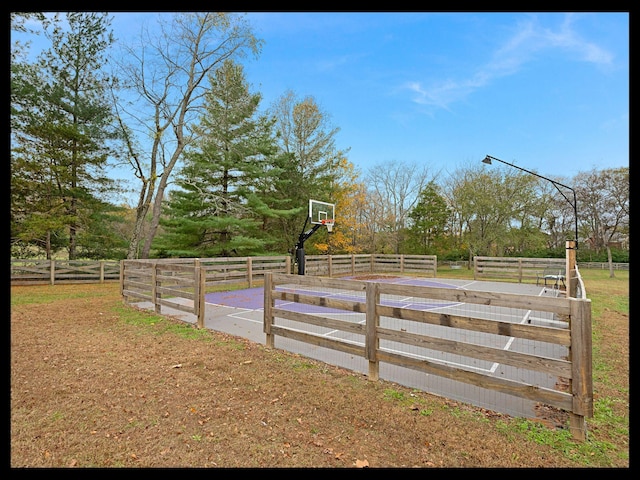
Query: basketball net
[329, 224]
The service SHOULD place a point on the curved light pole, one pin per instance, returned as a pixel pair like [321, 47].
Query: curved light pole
[574, 204]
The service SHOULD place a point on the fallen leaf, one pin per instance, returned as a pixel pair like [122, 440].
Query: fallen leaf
[362, 463]
[178, 365]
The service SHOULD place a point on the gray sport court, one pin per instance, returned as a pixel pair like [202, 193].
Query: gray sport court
[240, 313]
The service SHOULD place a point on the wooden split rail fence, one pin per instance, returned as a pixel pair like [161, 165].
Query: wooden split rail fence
[181, 283]
[576, 370]
[340, 265]
[519, 269]
[38, 272]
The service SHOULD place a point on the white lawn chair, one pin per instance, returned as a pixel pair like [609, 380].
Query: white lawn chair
[553, 275]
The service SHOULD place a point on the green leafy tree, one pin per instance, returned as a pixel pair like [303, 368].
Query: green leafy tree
[395, 188]
[309, 163]
[168, 72]
[101, 240]
[429, 219]
[482, 210]
[61, 133]
[604, 202]
[499, 211]
[216, 211]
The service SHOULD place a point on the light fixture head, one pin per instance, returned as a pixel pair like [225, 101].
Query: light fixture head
[487, 160]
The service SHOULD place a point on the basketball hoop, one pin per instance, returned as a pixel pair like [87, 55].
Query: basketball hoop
[329, 224]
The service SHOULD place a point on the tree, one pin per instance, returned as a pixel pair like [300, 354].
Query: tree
[61, 132]
[429, 219]
[347, 192]
[395, 189]
[309, 163]
[484, 204]
[604, 202]
[167, 73]
[217, 211]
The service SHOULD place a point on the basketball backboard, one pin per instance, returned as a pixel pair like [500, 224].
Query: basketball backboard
[321, 212]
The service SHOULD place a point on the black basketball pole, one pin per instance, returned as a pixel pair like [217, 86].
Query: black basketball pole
[300, 245]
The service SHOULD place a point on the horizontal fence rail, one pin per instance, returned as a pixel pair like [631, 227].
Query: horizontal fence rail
[341, 265]
[603, 266]
[34, 272]
[518, 269]
[386, 326]
[235, 270]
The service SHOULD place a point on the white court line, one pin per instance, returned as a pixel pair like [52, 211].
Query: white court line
[463, 286]
[239, 316]
[507, 346]
[440, 361]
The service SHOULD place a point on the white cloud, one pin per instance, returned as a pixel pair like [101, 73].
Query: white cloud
[530, 40]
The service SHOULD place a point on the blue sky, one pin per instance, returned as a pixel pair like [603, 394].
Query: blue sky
[545, 91]
[548, 92]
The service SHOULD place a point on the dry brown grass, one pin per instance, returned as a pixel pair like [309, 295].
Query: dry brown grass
[97, 384]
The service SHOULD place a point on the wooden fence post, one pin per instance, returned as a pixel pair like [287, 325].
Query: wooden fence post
[581, 366]
[519, 270]
[372, 342]
[249, 272]
[122, 277]
[154, 288]
[52, 272]
[268, 310]
[572, 281]
[199, 278]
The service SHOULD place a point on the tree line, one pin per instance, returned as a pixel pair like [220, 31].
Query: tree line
[216, 173]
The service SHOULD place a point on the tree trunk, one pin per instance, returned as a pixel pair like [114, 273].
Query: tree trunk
[72, 231]
[157, 203]
[136, 236]
[48, 245]
[609, 259]
[153, 226]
